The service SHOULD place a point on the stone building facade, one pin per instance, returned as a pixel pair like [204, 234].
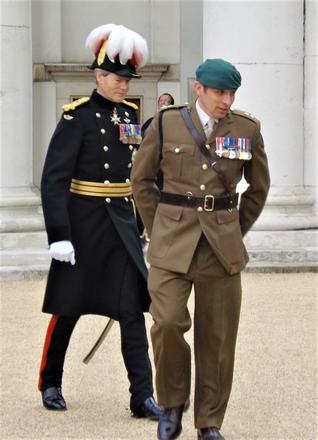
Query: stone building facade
[273, 44]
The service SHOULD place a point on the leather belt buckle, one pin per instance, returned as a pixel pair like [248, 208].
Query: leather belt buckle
[208, 203]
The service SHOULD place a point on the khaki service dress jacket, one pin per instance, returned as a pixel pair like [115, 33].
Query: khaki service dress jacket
[174, 231]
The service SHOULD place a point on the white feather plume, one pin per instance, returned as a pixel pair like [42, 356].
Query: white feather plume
[97, 36]
[121, 41]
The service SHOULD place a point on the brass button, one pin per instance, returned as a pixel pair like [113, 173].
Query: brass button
[103, 131]
[108, 200]
[131, 147]
[107, 182]
[202, 187]
[98, 115]
[105, 148]
[177, 150]
[129, 165]
[126, 198]
[199, 209]
[208, 146]
[106, 166]
[127, 181]
[204, 166]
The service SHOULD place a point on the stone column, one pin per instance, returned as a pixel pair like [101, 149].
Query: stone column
[265, 40]
[46, 48]
[21, 221]
[311, 94]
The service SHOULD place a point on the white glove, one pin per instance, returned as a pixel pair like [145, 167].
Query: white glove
[63, 251]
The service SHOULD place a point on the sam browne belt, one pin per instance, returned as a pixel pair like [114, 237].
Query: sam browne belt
[207, 203]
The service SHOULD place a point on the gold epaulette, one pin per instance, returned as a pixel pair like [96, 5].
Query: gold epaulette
[172, 106]
[74, 104]
[245, 115]
[131, 104]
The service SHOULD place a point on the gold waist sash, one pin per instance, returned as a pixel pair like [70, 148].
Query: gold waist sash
[96, 189]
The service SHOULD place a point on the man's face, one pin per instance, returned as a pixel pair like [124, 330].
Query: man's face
[215, 102]
[164, 100]
[112, 86]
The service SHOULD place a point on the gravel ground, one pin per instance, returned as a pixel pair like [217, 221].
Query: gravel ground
[274, 394]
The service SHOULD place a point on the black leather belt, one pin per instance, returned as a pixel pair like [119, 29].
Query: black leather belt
[207, 203]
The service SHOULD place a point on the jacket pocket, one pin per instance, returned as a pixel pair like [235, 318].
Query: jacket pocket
[177, 160]
[229, 236]
[164, 229]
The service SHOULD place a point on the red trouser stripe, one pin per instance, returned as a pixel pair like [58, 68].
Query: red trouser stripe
[46, 347]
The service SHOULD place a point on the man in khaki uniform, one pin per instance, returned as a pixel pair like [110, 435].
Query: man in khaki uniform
[196, 231]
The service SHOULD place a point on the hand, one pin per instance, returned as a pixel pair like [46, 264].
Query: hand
[63, 251]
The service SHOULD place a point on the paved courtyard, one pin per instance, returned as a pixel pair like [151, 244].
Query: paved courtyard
[274, 394]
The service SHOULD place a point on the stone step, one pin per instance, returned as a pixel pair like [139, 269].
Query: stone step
[21, 219]
[269, 267]
[23, 240]
[24, 257]
[281, 240]
[301, 257]
[20, 210]
[21, 272]
[25, 254]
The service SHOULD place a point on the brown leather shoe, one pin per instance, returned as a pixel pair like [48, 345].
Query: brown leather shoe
[170, 426]
[209, 434]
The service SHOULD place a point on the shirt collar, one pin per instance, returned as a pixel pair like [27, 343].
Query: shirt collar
[204, 117]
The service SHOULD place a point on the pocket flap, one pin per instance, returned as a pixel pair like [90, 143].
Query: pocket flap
[226, 216]
[179, 148]
[171, 211]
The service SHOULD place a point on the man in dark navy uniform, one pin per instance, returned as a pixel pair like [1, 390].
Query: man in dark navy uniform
[97, 261]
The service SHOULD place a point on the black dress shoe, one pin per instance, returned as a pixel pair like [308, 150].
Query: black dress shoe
[170, 426]
[52, 399]
[209, 434]
[149, 410]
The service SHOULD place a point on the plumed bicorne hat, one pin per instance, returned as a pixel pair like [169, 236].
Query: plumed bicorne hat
[117, 49]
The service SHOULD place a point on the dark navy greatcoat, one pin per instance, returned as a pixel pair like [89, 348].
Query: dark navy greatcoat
[86, 146]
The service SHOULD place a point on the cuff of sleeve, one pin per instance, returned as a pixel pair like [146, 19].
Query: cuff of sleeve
[58, 234]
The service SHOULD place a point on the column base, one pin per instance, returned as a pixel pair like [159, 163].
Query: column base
[285, 237]
[282, 251]
[23, 243]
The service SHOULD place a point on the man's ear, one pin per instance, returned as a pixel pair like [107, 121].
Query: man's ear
[198, 87]
[97, 76]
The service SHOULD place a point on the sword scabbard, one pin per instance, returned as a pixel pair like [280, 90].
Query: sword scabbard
[99, 342]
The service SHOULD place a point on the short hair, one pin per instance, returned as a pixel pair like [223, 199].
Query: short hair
[103, 72]
[170, 96]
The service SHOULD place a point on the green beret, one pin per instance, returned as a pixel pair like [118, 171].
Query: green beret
[218, 74]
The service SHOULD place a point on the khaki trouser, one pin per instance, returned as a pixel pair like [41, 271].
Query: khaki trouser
[216, 317]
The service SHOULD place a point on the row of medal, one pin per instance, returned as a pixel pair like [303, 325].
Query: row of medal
[130, 133]
[233, 148]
